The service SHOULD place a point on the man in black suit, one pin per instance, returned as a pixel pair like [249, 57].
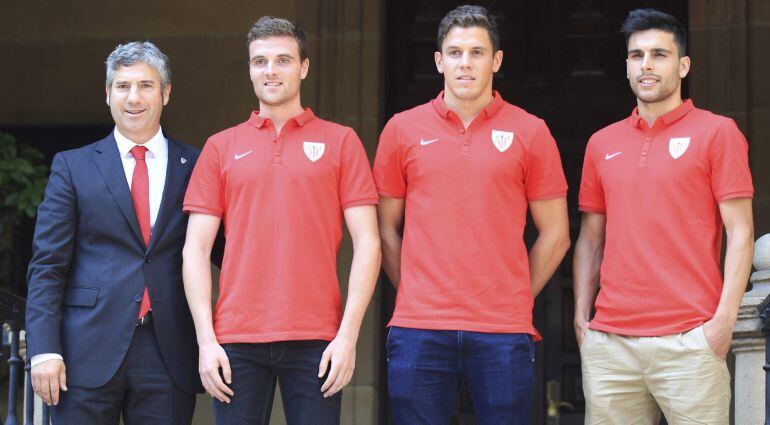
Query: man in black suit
[105, 282]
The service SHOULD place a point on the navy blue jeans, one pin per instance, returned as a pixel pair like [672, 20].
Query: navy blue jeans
[294, 365]
[426, 368]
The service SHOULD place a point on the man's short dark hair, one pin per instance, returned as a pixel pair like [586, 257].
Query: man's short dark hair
[653, 19]
[269, 26]
[469, 16]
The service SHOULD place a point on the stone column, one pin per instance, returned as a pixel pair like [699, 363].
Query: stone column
[344, 86]
[749, 343]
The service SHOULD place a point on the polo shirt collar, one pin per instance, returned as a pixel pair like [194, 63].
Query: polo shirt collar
[668, 118]
[489, 110]
[156, 146]
[305, 117]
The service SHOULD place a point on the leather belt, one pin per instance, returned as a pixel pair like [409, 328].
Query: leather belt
[145, 320]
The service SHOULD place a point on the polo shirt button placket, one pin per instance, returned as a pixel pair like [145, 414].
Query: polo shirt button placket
[645, 149]
[277, 151]
[466, 141]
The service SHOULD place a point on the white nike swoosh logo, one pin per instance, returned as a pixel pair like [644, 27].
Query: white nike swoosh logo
[237, 156]
[608, 156]
[427, 142]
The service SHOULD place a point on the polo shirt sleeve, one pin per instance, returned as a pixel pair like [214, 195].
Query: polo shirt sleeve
[356, 182]
[729, 163]
[544, 176]
[591, 198]
[389, 175]
[204, 192]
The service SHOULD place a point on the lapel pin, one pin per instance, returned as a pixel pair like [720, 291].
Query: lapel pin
[183, 160]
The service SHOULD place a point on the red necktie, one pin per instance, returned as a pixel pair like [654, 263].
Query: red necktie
[140, 191]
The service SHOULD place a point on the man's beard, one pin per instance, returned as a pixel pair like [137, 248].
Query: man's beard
[664, 92]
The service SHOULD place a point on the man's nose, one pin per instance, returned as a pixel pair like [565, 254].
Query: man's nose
[465, 59]
[647, 61]
[270, 68]
[133, 93]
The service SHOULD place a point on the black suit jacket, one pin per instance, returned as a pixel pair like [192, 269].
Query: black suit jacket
[90, 266]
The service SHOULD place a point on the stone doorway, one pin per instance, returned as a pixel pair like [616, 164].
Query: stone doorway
[564, 62]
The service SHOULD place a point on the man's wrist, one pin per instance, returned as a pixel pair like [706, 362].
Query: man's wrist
[581, 318]
[208, 339]
[40, 358]
[725, 318]
[348, 335]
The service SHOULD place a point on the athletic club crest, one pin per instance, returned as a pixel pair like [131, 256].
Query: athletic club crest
[314, 150]
[677, 146]
[502, 139]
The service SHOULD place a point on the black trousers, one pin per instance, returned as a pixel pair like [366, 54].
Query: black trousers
[142, 392]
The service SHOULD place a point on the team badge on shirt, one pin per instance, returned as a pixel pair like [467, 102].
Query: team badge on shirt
[502, 139]
[677, 146]
[314, 150]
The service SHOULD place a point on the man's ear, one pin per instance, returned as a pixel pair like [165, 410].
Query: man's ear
[304, 67]
[684, 66]
[166, 93]
[498, 61]
[438, 58]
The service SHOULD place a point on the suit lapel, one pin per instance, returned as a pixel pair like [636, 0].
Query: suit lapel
[111, 168]
[177, 169]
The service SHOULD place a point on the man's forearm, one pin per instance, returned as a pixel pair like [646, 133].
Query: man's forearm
[391, 255]
[738, 258]
[363, 277]
[196, 272]
[545, 256]
[587, 263]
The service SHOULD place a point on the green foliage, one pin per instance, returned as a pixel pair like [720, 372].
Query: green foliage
[22, 181]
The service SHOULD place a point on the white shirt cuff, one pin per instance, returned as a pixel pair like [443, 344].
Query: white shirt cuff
[40, 358]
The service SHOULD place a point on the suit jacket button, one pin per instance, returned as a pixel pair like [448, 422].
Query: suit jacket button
[148, 259]
[138, 298]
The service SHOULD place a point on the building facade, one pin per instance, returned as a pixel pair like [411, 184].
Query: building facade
[564, 61]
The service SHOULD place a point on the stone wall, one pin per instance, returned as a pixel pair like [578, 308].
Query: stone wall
[728, 40]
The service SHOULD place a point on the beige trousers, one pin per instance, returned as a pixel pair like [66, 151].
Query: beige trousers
[629, 380]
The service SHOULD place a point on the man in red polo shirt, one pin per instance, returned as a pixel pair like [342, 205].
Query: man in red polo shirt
[460, 172]
[656, 189]
[282, 182]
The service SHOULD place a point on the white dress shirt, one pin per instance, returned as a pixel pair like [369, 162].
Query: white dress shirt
[156, 158]
[157, 161]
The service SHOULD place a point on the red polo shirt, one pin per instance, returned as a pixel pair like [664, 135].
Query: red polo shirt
[281, 199]
[464, 264]
[660, 188]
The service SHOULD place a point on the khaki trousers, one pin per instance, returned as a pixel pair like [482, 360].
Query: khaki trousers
[629, 380]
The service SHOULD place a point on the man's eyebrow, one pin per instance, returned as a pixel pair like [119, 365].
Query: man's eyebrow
[480, 47]
[657, 50]
[280, 55]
